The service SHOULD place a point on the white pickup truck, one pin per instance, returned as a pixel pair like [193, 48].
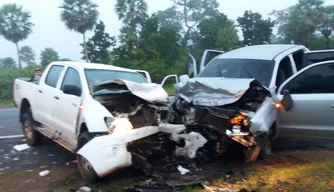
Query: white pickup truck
[101, 113]
[225, 99]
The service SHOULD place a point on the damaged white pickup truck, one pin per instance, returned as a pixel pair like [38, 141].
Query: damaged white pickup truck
[110, 117]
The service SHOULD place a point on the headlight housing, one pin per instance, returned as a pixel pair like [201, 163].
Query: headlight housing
[118, 125]
[240, 122]
[109, 124]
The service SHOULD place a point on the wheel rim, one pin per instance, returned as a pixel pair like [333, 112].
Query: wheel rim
[28, 129]
[85, 164]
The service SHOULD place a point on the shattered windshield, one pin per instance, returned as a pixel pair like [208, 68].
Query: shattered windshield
[95, 76]
[240, 68]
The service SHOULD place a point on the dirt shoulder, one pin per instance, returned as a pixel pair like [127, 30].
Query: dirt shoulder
[284, 171]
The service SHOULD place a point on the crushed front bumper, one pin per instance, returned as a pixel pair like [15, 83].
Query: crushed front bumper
[109, 153]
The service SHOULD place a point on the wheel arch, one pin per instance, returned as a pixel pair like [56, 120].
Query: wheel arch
[25, 107]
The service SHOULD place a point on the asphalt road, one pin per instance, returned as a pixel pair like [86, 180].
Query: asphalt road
[50, 153]
[9, 124]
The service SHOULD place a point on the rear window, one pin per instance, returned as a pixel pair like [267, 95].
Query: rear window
[53, 75]
[311, 58]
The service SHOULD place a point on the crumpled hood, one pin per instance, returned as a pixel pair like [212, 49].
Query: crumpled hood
[216, 91]
[150, 92]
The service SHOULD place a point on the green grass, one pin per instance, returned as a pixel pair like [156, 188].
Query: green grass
[6, 103]
[318, 176]
[169, 88]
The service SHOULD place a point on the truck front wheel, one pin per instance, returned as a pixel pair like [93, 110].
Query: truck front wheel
[85, 168]
[32, 136]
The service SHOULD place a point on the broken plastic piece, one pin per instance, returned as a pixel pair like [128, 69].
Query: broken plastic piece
[44, 173]
[84, 189]
[182, 170]
[21, 147]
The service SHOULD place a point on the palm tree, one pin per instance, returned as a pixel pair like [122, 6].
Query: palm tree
[8, 63]
[15, 25]
[133, 13]
[79, 16]
[27, 55]
[48, 55]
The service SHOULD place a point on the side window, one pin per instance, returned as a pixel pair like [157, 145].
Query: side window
[284, 71]
[315, 80]
[71, 78]
[53, 75]
[298, 58]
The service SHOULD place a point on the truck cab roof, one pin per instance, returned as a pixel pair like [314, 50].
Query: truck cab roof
[262, 52]
[84, 65]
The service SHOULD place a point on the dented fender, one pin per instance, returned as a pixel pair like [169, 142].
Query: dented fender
[109, 153]
[264, 118]
[106, 154]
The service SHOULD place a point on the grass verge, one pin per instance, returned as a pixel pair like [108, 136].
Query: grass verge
[169, 88]
[314, 176]
[6, 103]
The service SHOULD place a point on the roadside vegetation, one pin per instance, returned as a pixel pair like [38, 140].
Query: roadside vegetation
[6, 103]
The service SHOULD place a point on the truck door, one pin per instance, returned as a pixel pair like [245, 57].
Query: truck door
[66, 111]
[46, 95]
[145, 74]
[207, 56]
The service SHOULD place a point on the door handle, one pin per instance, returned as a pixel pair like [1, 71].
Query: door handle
[40, 91]
[56, 97]
[75, 105]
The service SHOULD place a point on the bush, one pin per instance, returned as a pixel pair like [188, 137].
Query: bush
[7, 78]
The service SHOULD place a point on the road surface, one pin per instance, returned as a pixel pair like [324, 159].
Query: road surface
[9, 124]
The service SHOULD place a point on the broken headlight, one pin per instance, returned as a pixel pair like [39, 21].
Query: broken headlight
[118, 125]
[240, 122]
[110, 126]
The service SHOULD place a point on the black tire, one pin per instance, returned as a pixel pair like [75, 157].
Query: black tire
[32, 136]
[86, 170]
[265, 144]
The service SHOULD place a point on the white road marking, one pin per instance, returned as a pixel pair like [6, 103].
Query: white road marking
[11, 136]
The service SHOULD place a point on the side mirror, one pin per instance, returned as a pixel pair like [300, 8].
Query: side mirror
[184, 78]
[287, 102]
[72, 90]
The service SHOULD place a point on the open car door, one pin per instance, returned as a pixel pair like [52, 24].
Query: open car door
[145, 74]
[307, 106]
[191, 66]
[207, 56]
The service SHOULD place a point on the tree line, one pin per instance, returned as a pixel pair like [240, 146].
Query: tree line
[159, 42]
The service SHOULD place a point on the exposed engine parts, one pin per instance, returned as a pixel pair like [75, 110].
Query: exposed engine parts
[212, 119]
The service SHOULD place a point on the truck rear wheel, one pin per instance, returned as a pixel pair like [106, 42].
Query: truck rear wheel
[86, 170]
[32, 136]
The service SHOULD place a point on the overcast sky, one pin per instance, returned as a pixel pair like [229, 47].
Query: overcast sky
[49, 31]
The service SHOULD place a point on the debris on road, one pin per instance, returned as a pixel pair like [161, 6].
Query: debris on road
[138, 188]
[15, 159]
[44, 173]
[51, 155]
[29, 181]
[182, 170]
[21, 147]
[44, 166]
[84, 189]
